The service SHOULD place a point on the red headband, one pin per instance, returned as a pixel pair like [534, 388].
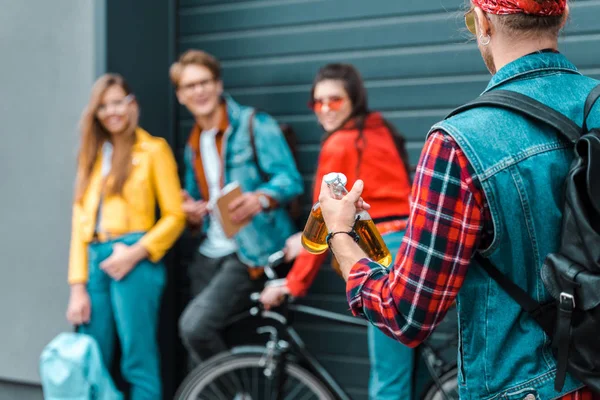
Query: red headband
[546, 8]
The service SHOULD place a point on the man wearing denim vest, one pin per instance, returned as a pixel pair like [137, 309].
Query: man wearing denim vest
[488, 181]
[219, 152]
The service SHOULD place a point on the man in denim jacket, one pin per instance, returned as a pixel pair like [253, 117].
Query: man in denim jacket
[218, 153]
[489, 181]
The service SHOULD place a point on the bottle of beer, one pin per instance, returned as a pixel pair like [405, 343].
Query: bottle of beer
[315, 232]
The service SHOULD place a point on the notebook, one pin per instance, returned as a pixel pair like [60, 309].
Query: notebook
[221, 209]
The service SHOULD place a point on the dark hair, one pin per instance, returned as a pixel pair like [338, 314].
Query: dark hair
[354, 86]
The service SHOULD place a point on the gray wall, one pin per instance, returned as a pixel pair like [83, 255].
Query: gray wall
[48, 63]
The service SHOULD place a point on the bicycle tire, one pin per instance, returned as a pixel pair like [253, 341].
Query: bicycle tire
[449, 382]
[227, 362]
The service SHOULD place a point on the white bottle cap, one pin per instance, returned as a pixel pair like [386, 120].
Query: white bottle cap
[333, 177]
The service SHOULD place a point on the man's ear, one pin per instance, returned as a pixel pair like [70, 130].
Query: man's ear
[483, 23]
[220, 87]
[565, 16]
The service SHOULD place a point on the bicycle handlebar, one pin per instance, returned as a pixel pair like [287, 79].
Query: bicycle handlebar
[274, 261]
[255, 297]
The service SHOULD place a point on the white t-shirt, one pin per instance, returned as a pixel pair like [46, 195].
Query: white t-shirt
[216, 243]
[107, 151]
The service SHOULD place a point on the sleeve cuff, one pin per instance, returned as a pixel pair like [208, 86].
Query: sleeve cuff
[153, 255]
[194, 228]
[359, 275]
[273, 204]
[296, 288]
[77, 280]
[272, 195]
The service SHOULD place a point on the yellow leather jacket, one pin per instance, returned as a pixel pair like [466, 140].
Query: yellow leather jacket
[153, 178]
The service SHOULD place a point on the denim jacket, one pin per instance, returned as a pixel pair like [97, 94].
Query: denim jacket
[268, 231]
[521, 166]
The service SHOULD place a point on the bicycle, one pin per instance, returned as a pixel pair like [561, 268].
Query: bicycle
[285, 369]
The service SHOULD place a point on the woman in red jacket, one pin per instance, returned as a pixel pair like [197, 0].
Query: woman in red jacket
[360, 144]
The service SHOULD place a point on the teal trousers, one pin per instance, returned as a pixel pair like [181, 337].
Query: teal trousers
[391, 361]
[127, 310]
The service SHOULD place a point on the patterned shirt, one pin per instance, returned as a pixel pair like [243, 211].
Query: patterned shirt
[449, 221]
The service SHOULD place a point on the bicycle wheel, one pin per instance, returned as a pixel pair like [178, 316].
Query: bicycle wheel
[449, 383]
[240, 376]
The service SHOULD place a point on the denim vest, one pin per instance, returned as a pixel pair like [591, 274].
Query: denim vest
[268, 231]
[521, 166]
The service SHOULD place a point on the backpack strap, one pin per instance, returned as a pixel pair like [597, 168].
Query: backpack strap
[562, 336]
[554, 319]
[589, 103]
[538, 311]
[525, 105]
[263, 175]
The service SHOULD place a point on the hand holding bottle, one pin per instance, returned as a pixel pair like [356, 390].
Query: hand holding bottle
[316, 230]
[341, 211]
[340, 214]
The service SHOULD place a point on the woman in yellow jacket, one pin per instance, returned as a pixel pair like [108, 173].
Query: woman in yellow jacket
[115, 272]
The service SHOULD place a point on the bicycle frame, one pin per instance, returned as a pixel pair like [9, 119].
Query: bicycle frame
[311, 360]
[294, 344]
[281, 329]
[284, 330]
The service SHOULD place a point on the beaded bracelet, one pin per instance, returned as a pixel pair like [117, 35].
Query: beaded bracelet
[351, 233]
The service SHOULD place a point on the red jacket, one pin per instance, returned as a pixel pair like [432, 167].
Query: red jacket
[387, 185]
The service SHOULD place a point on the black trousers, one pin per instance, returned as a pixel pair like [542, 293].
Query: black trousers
[221, 288]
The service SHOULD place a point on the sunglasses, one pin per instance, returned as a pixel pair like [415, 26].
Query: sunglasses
[334, 104]
[470, 21]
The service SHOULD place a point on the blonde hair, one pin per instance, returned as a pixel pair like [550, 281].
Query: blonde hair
[194, 57]
[519, 25]
[93, 136]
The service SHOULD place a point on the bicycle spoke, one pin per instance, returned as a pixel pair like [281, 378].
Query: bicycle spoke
[237, 382]
[301, 392]
[274, 385]
[269, 388]
[232, 383]
[244, 378]
[215, 389]
[295, 392]
[226, 387]
[254, 383]
[308, 396]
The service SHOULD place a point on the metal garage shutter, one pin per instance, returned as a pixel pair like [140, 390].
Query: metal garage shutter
[418, 63]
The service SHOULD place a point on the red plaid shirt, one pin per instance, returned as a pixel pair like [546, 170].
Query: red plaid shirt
[449, 220]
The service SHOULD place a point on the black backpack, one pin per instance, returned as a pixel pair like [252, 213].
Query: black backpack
[572, 275]
[294, 207]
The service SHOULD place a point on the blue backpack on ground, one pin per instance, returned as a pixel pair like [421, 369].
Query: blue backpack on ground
[71, 368]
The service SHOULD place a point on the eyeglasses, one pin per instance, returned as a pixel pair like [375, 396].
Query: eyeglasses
[333, 103]
[470, 21]
[119, 106]
[204, 83]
